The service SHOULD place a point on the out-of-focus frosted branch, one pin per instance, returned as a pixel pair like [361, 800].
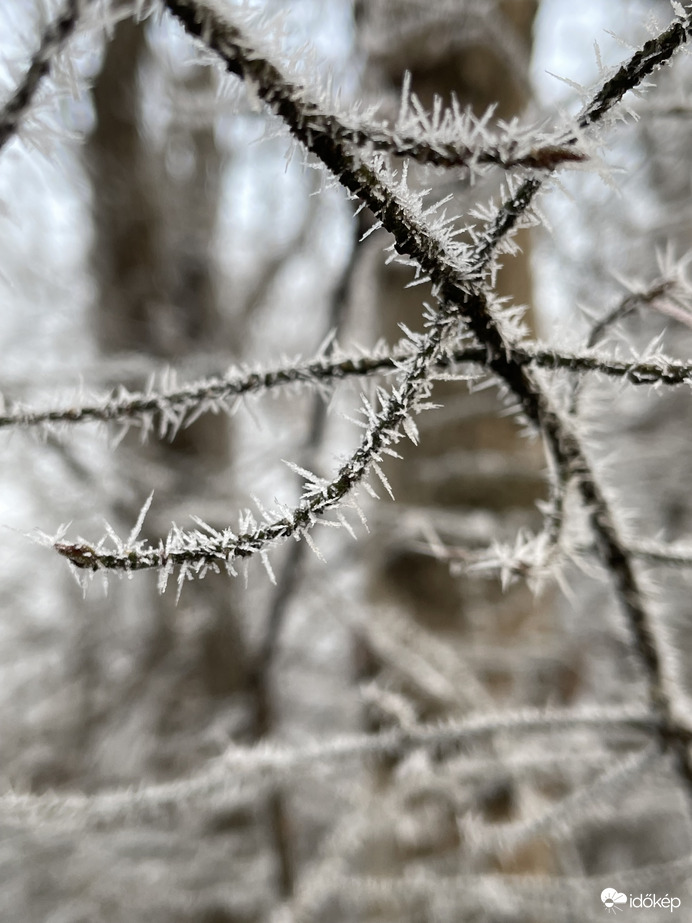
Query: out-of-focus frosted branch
[566, 814]
[242, 769]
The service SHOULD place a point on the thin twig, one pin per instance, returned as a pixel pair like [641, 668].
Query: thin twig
[289, 577]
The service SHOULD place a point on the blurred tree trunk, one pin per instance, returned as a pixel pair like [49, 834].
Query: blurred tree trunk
[154, 219]
[155, 209]
[468, 458]
[472, 463]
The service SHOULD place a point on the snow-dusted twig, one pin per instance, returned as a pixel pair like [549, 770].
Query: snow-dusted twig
[658, 370]
[644, 62]
[398, 741]
[627, 306]
[195, 552]
[441, 153]
[166, 410]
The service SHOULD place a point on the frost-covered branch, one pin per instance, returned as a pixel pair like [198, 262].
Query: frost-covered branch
[164, 411]
[447, 138]
[644, 62]
[433, 140]
[627, 306]
[450, 154]
[658, 370]
[53, 40]
[489, 781]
